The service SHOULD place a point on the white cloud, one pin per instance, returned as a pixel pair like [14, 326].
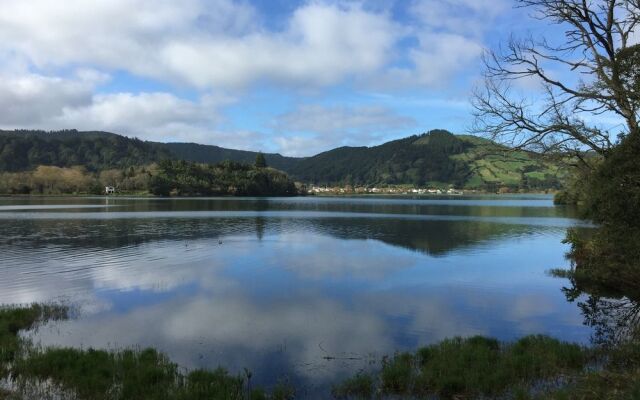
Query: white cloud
[322, 45]
[140, 114]
[26, 99]
[438, 57]
[449, 35]
[226, 46]
[301, 146]
[200, 43]
[160, 116]
[36, 101]
[468, 17]
[220, 43]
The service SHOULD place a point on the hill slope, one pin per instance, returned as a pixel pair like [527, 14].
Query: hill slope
[209, 154]
[434, 158]
[25, 150]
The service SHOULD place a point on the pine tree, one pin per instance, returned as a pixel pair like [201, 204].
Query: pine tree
[260, 161]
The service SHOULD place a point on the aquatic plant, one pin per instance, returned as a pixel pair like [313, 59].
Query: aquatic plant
[14, 319]
[470, 367]
[531, 368]
[141, 374]
[360, 386]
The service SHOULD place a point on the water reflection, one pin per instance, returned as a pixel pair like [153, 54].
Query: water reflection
[604, 281]
[614, 315]
[286, 294]
[430, 235]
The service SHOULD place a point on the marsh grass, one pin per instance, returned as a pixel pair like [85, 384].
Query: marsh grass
[360, 386]
[532, 368]
[470, 368]
[68, 373]
[14, 319]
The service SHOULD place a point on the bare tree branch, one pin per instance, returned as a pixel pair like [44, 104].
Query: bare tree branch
[600, 74]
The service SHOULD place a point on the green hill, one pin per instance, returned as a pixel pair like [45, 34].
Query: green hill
[202, 153]
[24, 150]
[434, 158]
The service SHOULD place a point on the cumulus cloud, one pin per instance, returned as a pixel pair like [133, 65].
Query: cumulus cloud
[220, 43]
[225, 46]
[30, 98]
[449, 36]
[35, 101]
[200, 43]
[436, 59]
[462, 16]
[147, 115]
[321, 45]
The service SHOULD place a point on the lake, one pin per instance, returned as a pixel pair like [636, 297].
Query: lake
[306, 290]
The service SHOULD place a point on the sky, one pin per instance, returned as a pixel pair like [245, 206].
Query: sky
[294, 77]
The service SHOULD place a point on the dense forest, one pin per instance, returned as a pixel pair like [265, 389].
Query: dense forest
[227, 178]
[414, 160]
[436, 158]
[26, 150]
[208, 154]
[179, 178]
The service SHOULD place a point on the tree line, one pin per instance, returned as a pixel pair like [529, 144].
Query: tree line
[226, 178]
[168, 177]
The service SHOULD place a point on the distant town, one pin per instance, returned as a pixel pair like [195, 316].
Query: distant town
[382, 190]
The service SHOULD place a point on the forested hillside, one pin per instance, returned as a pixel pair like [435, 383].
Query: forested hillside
[415, 160]
[202, 153]
[26, 150]
[435, 158]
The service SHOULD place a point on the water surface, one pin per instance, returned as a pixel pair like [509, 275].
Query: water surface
[301, 289]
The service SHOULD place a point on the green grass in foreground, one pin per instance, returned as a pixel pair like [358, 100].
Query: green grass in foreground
[471, 368]
[532, 368]
[15, 319]
[67, 373]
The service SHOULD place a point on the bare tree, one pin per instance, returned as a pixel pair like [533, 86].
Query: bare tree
[600, 62]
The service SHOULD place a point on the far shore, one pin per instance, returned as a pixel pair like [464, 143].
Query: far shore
[462, 193]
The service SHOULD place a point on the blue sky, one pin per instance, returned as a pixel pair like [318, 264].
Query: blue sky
[295, 77]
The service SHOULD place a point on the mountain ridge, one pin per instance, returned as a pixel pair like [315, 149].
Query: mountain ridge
[435, 158]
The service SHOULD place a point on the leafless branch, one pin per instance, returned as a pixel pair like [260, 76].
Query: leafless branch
[599, 75]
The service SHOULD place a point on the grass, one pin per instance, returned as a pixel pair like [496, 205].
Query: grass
[16, 319]
[105, 375]
[531, 368]
[470, 368]
[493, 164]
[360, 386]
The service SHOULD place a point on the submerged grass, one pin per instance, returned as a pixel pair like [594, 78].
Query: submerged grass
[470, 368]
[13, 319]
[104, 375]
[360, 386]
[532, 368]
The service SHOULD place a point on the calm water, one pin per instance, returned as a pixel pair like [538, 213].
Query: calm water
[304, 289]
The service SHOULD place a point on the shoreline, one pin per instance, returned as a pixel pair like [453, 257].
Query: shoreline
[152, 196]
[532, 367]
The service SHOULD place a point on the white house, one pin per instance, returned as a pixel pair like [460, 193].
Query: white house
[109, 190]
